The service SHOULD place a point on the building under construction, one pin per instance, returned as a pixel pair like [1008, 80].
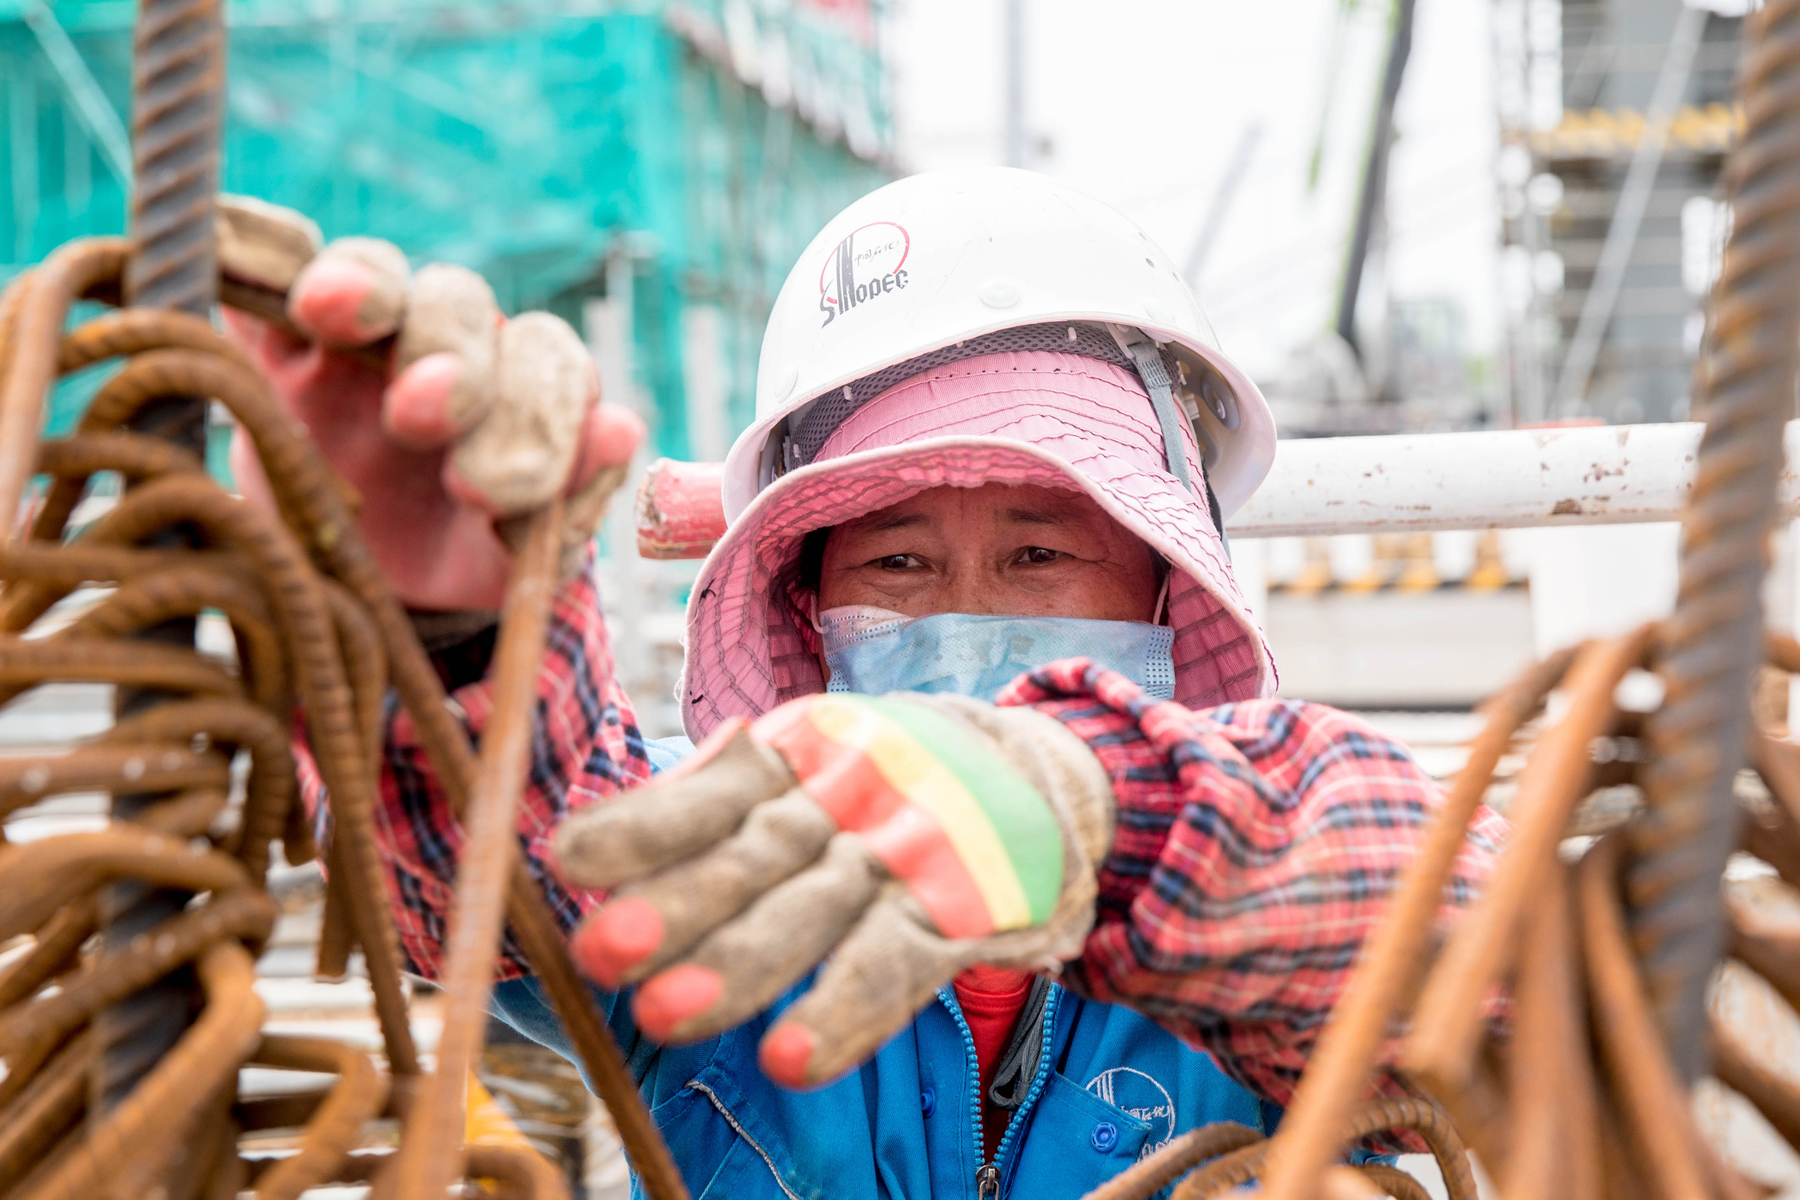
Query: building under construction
[648, 171]
[1616, 116]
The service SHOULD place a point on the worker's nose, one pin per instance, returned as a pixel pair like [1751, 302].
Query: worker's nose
[972, 586]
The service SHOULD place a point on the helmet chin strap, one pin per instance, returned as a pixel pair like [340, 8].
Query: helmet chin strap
[1150, 369]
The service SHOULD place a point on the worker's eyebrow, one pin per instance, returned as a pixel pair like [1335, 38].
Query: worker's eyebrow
[1046, 515]
[882, 522]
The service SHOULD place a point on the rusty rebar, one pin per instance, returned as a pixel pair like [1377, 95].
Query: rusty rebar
[1712, 645]
[1448, 1023]
[54, 949]
[335, 1127]
[1586, 1101]
[316, 628]
[46, 1101]
[164, 358]
[1311, 1129]
[432, 1154]
[28, 350]
[1380, 1116]
[159, 1110]
[1554, 1134]
[269, 789]
[1182, 1154]
[1645, 1086]
[178, 87]
[244, 914]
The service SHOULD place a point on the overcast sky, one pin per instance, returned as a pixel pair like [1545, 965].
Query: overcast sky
[1141, 102]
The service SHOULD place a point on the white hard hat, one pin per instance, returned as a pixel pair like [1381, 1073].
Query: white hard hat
[942, 258]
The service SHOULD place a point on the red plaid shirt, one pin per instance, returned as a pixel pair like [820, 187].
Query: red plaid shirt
[1255, 849]
[585, 746]
[1256, 842]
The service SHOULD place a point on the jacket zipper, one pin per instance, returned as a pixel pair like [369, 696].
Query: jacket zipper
[987, 1176]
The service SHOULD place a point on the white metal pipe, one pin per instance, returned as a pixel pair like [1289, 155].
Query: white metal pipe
[1586, 475]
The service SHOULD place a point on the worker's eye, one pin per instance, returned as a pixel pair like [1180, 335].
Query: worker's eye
[897, 562]
[1037, 555]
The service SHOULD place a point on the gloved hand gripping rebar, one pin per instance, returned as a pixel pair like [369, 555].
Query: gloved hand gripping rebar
[319, 634]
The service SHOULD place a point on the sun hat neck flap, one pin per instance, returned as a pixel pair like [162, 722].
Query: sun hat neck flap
[1052, 420]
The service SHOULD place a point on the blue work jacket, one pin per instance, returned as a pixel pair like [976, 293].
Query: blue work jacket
[1110, 1087]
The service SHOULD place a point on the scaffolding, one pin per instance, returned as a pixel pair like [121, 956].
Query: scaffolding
[1615, 120]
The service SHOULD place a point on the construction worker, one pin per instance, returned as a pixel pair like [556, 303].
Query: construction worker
[992, 459]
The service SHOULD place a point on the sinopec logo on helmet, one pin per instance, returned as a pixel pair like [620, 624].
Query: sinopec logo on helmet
[867, 265]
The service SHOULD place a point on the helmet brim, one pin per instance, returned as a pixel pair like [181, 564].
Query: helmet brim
[749, 647]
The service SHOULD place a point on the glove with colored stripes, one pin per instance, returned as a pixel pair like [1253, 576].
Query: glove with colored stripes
[905, 837]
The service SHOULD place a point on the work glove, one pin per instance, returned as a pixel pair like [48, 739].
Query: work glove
[444, 416]
[906, 837]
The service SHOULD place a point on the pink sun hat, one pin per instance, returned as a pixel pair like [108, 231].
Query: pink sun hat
[1056, 420]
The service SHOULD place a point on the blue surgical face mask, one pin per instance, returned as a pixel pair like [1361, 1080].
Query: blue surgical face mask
[874, 651]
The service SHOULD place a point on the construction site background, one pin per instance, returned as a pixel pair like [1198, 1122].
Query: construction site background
[651, 170]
